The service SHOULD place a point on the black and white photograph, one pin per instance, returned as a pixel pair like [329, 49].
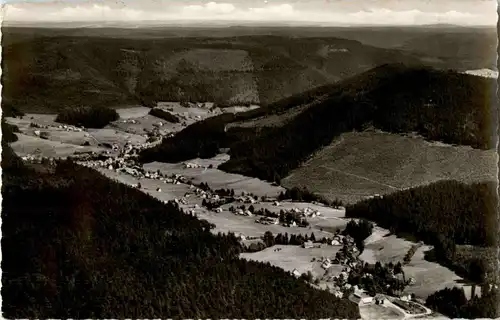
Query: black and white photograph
[249, 159]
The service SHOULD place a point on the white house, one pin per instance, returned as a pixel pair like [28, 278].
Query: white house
[326, 264]
[362, 298]
[406, 298]
[308, 244]
[335, 243]
[380, 299]
[296, 273]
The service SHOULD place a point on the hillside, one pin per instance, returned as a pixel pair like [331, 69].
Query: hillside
[446, 46]
[88, 247]
[445, 214]
[439, 105]
[357, 165]
[44, 72]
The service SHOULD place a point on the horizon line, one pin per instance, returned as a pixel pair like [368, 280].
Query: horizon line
[225, 23]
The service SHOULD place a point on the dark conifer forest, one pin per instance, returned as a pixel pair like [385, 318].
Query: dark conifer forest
[439, 105]
[444, 214]
[84, 246]
[453, 303]
[89, 117]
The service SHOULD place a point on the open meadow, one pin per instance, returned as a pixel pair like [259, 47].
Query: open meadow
[216, 178]
[291, 257]
[429, 276]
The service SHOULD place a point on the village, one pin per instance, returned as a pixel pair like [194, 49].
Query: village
[345, 274]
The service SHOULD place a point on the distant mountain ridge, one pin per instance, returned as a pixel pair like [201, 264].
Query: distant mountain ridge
[46, 70]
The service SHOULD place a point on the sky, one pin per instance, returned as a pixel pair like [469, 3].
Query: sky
[315, 12]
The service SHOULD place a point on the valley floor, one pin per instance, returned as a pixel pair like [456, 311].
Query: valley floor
[429, 277]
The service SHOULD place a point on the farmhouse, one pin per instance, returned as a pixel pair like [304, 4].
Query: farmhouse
[296, 273]
[362, 298]
[326, 264]
[335, 242]
[308, 244]
[267, 220]
[380, 299]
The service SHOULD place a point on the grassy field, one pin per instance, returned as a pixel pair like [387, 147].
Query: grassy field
[62, 141]
[217, 179]
[362, 164]
[31, 145]
[429, 276]
[295, 257]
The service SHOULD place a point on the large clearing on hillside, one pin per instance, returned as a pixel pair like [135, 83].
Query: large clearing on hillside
[429, 276]
[216, 60]
[361, 164]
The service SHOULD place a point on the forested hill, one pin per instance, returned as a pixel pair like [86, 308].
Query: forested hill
[45, 72]
[457, 212]
[445, 214]
[440, 105]
[87, 247]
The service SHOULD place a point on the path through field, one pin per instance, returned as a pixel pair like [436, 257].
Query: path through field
[361, 177]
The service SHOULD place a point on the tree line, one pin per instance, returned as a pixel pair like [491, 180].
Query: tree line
[453, 303]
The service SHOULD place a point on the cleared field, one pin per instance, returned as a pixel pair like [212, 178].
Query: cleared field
[112, 136]
[274, 120]
[217, 179]
[217, 60]
[361, 164]
[387, 249]
[132, 112]
[145, 123]
[43, 119]
[168, 191]
[429, 276]
[229, 222]
[295, 257]
[236, 109]
[31, 145]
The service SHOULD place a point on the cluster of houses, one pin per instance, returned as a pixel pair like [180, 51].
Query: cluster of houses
[189, 165]
[245, 198]
[267, 220]
[348, 255]
[68, 128]
[304, 212]
[375, 196]
[240, 211]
